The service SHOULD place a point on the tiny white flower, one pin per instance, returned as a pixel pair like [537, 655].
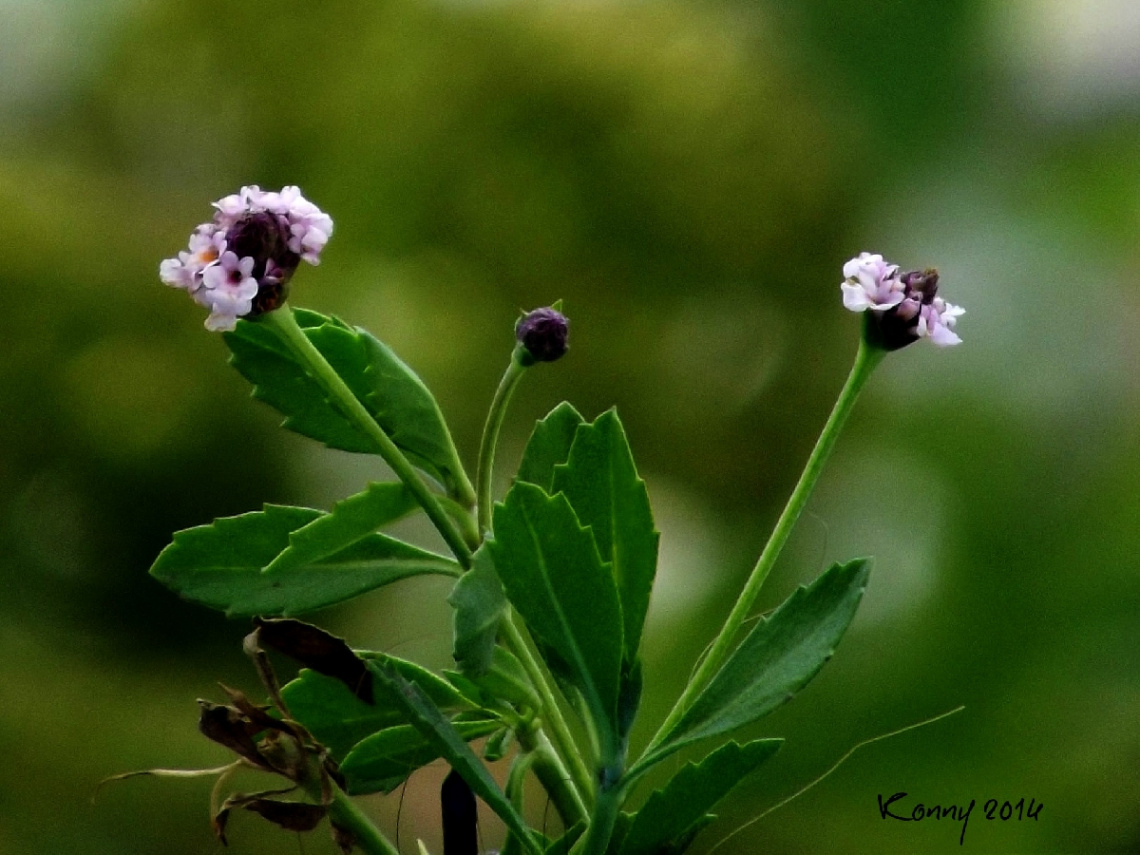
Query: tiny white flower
[175, 273]
[936, 321]
[228, 289]
[870, 282]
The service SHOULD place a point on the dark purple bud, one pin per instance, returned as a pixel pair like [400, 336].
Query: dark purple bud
[922, 284]
[897, 327]
[543, 334]
[264, 237]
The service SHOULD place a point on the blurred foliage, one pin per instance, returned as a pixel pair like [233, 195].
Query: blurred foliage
[689, 179]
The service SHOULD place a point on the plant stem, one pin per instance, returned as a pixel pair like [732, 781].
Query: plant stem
[490, 439]
[344, 813]
[866, 359]
[551, 712]
[547, 766]
[580, 782]
[285, 325]
[597, 837]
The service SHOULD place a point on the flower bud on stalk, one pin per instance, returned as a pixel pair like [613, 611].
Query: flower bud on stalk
[902, 307]
[240, 264]
[542, 334]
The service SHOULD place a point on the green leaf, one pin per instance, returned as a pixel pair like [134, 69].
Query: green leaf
[777, 658]
[498, 745]
[685, 840]
[219, 565]
[629, 697]
[382, 761]
[404, 408]
[388, 389]
[338, 718]
[621, 829]
[505, 680]
[280, 381]
[663, 824]
[450, 744]
[479, 605]
[565, 843]
[549, 445]
[349, 521]
[552, 573]
[601, 482]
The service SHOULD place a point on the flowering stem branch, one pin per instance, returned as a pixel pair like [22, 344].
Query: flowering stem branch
[490, 439]
[866, 359]
[286, 326]
[567, 791]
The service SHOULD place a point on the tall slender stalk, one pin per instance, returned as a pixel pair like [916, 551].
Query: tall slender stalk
[490, 440]
[513, 636]
[285, 325]
[866, 359]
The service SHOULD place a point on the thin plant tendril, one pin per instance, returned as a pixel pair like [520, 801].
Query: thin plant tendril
[835, 766]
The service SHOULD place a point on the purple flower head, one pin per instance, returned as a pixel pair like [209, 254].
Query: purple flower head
[901, 307]
[240, 264]
[543, 334]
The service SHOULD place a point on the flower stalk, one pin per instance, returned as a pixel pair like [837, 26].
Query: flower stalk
[541, 332]
[286, 326]
[867, 358]
[511, 377]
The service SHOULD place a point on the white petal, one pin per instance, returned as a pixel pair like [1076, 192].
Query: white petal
[944, 336]
[854, 298]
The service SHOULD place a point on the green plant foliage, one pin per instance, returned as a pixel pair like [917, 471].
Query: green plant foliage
[339, 719]
[480, 605]
[621, 829]
[563, 844]
[219, 565]
[629, 699]
[391, 392]
[552, 573]
[438, 730]
[777, 658]
[600, 480]
[263, 359]
[496, 748]
[549, 445]
[384, 760]
[505, 680]
[665, 824]
[349, 521]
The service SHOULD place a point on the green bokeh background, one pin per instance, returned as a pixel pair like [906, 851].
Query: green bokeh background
[689, 178]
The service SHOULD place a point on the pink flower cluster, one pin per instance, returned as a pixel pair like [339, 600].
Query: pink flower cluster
[905, 306]
[240, 264]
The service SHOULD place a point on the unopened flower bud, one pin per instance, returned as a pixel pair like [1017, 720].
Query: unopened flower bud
[239, 265]
[901, 307]
[542, 334]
